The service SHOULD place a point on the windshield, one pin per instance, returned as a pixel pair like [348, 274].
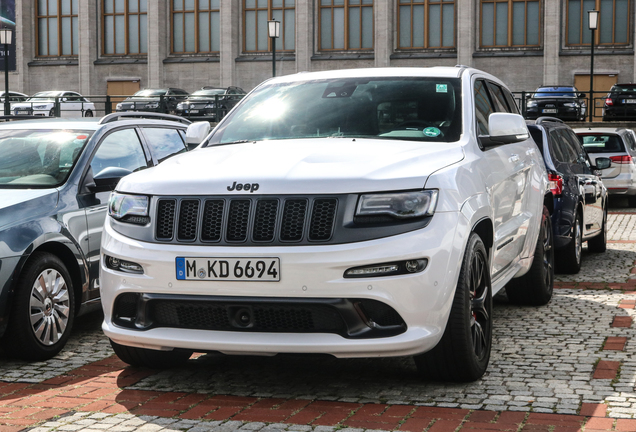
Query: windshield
[148, 93]
[48, 96]
[554, 92]
[602, 143]
[39, 158]
[202, 93]
[415, 109]
[624, 88]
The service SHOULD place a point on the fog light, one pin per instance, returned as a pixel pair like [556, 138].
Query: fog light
[387, 269]
[415, 266]
[372, 271]
[123, 266]
[113, 262]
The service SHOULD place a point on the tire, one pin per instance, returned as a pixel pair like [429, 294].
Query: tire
[569, 260]
[535, 287]
[52, 113]
[463, 353]
[631, 200]
[598, 244]
[149, 358]
[43, 309]
[88, 113]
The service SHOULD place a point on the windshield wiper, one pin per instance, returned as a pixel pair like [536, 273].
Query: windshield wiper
[232, 142]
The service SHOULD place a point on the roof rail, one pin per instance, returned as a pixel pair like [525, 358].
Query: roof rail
[548, 119]
[142, 115]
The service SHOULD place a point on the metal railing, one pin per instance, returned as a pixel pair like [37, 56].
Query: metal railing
[596, 101]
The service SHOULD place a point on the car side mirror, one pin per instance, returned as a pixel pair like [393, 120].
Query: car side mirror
[505, 128]
[196, 133]
[581, 95]
[64, 99]
[107, 179]
[603, 163]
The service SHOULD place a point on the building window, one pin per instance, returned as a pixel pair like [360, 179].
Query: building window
[195, 26]
[57, 27]
[256, 13]
[426, 24]
[125, 27]
[346, 24]
[510, 23]
[613, 25]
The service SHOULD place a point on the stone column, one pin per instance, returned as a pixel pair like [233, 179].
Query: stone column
[305, 25]
[25, 43]
[551, 41]
[158, 41]
[87, 50]
[466, 30]
[383, 11]
[230, 40]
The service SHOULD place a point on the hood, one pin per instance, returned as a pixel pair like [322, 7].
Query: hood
[18, 205]
[306, 166]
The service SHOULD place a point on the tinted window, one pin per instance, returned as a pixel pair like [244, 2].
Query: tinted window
[537, 136]
[119, 149]
[556, 147]
[483, 107]
[555, 91]
[512, 103]
[499, 98]
[163, 142]
[599, 143]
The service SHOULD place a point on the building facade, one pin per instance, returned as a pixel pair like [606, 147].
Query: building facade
[92, 45]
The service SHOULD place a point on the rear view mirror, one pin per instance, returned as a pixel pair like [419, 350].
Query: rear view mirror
[196, 133]
[581, 95]
[505, 128]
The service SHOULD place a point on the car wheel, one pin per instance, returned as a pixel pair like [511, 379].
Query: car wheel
[88, 113]
[570, 260]
[43, 310]
[149, 358]
[464, 350]
[535, 287]
[631, 200]
[598, 244]
[52, 112]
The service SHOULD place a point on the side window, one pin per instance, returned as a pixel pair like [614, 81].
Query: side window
[556, 147]
[630, 141]
[582, 159]
[483, 107]
[512, 103]
[164, 142]
[119, 149]
[569, 151]
[499, 98]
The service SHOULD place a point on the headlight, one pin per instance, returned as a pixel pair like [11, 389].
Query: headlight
[129, 208]
[118, 106]
[530, 104]
[40, 107]
[571, 104]
[182, 106]
[153, 105]
[210, 106]
[403, 205]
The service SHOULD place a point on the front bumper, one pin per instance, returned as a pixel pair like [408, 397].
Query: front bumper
[423, 300]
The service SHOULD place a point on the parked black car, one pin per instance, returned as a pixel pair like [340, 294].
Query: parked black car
[210, 103]
[562, 102]
[620, 103]
[164, 100]
[55, 181]
[580, 198]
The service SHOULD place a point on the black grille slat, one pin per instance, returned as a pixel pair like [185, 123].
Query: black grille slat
[238, 219]
[293, 219]
[265, 220]
[188, 216]
[322, 219]
[212, 220]
[165, 219]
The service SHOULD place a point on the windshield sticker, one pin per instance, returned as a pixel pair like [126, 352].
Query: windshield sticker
[441, 88]
[431, 132]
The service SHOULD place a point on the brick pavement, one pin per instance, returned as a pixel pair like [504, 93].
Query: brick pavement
[564, 367]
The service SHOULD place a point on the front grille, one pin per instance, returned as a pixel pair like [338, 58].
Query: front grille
[257, 220]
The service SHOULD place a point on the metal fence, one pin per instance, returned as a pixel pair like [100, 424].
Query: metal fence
[100, 105]
[596, 101]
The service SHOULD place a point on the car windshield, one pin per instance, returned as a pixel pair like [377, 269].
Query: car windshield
[598, 143]
[629, 88]
[204, 93]
[48, 96]
[39, 158]
[555, 92]
[414, 109]
[149, 93]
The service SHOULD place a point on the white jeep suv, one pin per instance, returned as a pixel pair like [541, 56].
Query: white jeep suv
[357, 213]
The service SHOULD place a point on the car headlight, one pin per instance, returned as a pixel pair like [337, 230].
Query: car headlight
[153, 105]
[40, 107]
[182, 106]
[119, 106]
[531, 104]
[571, 105]
[129, 208]
[401, 205]
[210, 106]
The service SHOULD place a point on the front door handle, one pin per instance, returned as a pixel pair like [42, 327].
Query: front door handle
[514, 158]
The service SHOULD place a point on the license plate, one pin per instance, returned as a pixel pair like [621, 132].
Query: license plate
[228, 269]
[194, 111]
[629, 101]
[550, 111]
[23, 112]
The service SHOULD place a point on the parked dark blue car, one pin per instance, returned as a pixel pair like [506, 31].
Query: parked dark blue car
[580, 198]
[55, 180]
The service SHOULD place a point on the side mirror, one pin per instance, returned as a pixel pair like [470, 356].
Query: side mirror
[64, 99]
[505, 128]
[581, 95]
[107, 179]
[196, 133]
[603, 163]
